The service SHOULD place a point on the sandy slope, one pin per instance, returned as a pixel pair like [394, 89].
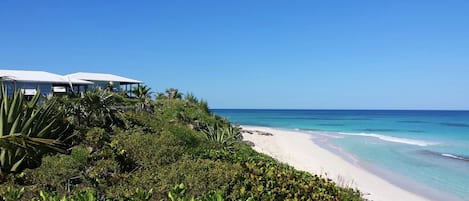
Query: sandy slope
[298, 150]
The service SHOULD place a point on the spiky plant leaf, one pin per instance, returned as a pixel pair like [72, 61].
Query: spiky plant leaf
[28, 130]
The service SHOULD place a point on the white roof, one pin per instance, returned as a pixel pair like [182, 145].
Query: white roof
[103, 77]
[39, 76]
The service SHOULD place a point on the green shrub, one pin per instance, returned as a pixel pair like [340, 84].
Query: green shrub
[147, 151]
[11, 194]
[87, 195]
[200, 176]
[126, 188]
[142, 121]
[96, 138]
[178, 193]
[103, 173]
[142, 195]
[58, 172]
[194, 115]
[263, 178]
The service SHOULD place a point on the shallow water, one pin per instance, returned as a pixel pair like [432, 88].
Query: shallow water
[429, 148]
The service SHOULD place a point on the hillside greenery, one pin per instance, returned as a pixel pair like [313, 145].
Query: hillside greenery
[106, 146]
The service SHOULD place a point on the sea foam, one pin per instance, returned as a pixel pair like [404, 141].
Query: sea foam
[445, 155]
[455, 157]
[421, 143]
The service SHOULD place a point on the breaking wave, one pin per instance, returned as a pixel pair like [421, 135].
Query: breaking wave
[421, 143]
[454, 157]
[445, 155]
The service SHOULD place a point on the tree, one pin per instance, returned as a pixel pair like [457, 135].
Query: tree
[28, 131]
[143, 94]
[160, 96]
[173, 94]
[189, 97]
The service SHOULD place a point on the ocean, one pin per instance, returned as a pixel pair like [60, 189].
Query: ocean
[426, 152]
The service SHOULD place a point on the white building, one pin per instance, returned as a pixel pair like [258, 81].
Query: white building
[106, 81]
[47, 83]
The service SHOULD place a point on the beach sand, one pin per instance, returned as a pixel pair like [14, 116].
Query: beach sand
[300, 151]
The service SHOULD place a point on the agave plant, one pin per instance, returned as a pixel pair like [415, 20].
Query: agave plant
[28, 131]
[223, 134]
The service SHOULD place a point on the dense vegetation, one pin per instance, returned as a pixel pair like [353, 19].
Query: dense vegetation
[116, 148]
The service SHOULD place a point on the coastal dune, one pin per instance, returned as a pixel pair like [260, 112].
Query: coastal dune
[300, 151]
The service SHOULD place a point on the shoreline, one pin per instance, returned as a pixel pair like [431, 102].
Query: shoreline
[303, 152]
[393, 178]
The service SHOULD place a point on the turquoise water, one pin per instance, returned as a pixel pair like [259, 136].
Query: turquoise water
[427, 148]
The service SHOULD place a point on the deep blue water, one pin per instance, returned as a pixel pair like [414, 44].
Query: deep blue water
[429, 148]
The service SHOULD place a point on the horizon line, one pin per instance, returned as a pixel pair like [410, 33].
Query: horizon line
[460, 110]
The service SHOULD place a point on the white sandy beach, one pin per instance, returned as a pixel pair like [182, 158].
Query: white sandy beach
[298, 150]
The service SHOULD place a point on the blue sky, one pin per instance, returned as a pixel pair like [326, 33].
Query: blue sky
[256, 54]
